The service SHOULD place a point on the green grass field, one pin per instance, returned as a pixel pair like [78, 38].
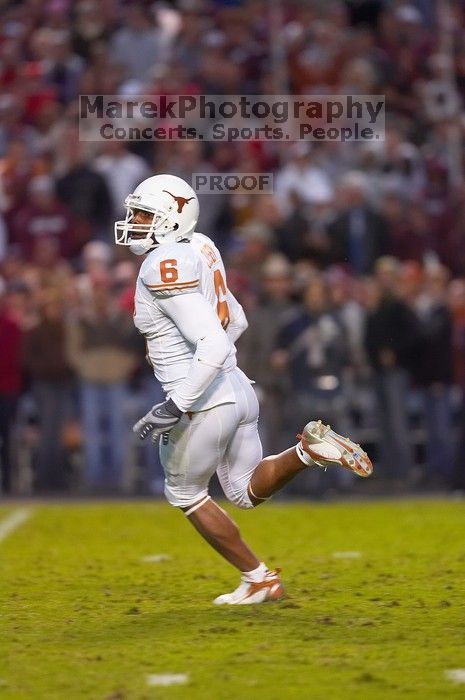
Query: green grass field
[83, 616]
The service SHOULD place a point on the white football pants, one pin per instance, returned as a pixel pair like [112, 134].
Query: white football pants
[223, 439]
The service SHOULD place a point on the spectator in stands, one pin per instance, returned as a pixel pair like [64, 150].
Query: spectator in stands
[399, 167]
[83, 189]
[433, 372]
[302, 176]
[456, 298]
[391, 341]
[138, 44]
[311, 347]
[419, 242]
[100, 350]
[16, 168]
[46, 267]
[43, 216]
[64, 67]
[253, 244]
[13, 126]
[455, 238]
[122, 171]
[395, 208]
[96, 260]
[358, 236]
[349, 312]
[274, 309]
[10, 382]
[45, 361]
[91, 26]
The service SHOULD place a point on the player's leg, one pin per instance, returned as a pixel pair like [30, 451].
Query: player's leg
[319, 446]
[249, 480]
[272, 473]
[194, 449]
[227, 435]
[222, 533]
[190, 458]
[246, 477]
[258, 583]
[243, 459]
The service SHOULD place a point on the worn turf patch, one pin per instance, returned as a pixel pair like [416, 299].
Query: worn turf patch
[83, 617]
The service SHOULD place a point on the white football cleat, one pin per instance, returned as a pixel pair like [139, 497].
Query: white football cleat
[326, 448]
[250, 592]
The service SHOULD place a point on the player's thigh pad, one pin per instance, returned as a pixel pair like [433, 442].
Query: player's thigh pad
[244, 450]
[195, 448]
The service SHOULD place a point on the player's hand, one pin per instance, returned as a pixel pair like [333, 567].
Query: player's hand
[160, 419]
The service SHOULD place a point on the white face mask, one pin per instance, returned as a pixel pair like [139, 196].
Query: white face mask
[141, 246]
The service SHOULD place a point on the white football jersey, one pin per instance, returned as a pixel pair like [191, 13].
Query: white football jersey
[183, 268]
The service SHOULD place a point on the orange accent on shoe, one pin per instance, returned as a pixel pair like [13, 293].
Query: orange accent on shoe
[363, 456]
[273, 594]
[353, 467]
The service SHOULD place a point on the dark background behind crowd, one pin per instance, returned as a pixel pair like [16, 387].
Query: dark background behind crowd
[352, 273]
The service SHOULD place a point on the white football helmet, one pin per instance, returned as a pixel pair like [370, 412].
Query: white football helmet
[175, 210]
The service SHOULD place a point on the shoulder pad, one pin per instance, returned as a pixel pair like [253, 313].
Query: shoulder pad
[171, 269]
[206, 248]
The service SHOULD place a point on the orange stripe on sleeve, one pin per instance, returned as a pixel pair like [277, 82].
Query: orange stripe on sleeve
[172, 285]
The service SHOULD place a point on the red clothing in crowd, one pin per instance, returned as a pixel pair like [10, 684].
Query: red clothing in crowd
[126, 301]
[10, 354]
[31, 223]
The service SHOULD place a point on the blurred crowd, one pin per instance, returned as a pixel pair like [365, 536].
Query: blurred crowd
[352, 273]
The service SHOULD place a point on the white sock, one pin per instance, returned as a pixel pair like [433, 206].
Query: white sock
[257, 575]
[303, 456]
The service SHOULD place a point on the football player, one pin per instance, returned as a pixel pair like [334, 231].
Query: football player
[208, 422]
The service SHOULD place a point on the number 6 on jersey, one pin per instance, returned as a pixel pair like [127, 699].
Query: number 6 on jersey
[169, 273]
[168, 270]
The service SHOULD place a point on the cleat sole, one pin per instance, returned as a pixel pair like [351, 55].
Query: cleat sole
[353, 457]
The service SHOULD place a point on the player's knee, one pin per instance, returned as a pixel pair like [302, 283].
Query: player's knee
[184, 496]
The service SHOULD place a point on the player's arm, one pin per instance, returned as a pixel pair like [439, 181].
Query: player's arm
[237, 319]
[174, 283]
[199, 325]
